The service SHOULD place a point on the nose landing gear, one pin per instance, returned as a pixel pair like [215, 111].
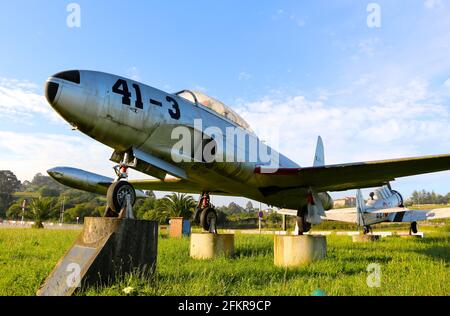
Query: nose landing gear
[205, 214]
[121, 195]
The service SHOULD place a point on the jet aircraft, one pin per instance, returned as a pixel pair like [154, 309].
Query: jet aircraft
[384, 206]
[144, 127]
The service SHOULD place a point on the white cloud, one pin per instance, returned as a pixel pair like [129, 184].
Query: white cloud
[282, 15]
[21, 100]
[397, 122]
[447, 83]
[29, 153]
[244, 76]
[368, 46]
[431, 4]
[200, 88]
[278, 14]
[298, 21]
[133, 73]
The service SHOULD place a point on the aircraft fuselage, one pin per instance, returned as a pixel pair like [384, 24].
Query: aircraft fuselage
[127, 115]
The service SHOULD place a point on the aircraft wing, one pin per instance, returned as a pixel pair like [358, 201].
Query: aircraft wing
[347, 215]
[172, 185]
[435, 213]
[438, 213]
[341, 215]
[349, 176]
[394, 214]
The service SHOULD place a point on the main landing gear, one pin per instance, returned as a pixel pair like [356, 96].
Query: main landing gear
[413, 229]
[302, 224]
[121, 195]
[367, 229]
[205, 214]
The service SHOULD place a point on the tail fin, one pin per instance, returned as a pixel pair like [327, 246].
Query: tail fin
[360, 208]
[319, 158]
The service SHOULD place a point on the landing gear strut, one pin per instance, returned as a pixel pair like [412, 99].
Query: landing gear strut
[367, 229]
[205, 214]
[302, 224]
[120, 193]
[413, 228]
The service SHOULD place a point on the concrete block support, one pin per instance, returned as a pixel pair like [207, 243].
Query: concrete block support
[209, 246]
[296, 251]
[107, 248]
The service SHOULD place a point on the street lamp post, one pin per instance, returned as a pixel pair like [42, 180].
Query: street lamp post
[260, 214]
[62, 210]
[24, 205]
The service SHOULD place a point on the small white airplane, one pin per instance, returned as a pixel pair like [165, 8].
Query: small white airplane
[384, 205]
[146, 129]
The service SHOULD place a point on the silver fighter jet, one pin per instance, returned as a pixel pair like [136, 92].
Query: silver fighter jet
[384, 206]
[189, 142]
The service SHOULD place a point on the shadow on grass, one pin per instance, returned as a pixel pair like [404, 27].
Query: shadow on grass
[437, 252]
[255, 251]
[432, 240]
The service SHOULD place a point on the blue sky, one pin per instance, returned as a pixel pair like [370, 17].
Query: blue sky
[300, 68]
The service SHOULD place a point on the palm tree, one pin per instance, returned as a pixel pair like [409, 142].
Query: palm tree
[156, 215]
[41, 209]
[178, 205]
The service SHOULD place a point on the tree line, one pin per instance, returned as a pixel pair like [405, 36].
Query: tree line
[48, 200]
[424, 197]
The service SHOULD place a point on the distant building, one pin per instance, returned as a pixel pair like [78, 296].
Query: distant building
[348, 201]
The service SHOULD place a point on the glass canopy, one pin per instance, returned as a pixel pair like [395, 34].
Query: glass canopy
[220, 108]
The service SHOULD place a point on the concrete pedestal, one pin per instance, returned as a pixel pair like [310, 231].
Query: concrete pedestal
[107, 248]
[296, 251]
[365, 238]
[411, 236]
[208, 246]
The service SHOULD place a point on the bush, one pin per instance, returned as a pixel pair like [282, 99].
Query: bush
[37, 225]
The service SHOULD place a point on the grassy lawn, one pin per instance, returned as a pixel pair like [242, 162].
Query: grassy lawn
[408, 267]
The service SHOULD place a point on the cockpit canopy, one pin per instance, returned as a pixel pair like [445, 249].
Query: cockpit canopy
[220, 108]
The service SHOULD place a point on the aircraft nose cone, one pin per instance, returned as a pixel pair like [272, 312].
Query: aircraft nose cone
[51, 89]
[69, 75]
[55, 172]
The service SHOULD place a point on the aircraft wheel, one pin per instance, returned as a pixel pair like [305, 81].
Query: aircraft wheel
[303, 225]
[414, 228]
[208, 217]
[196, 217]
[117, 193]
[366, 230]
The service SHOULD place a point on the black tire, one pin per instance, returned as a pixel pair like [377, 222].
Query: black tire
[116, 195]
[303, 225]
[414, 228]
[206, 217]
[196, 217]
[366, 230]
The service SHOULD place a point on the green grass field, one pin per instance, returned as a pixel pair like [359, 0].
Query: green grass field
[408, 267]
